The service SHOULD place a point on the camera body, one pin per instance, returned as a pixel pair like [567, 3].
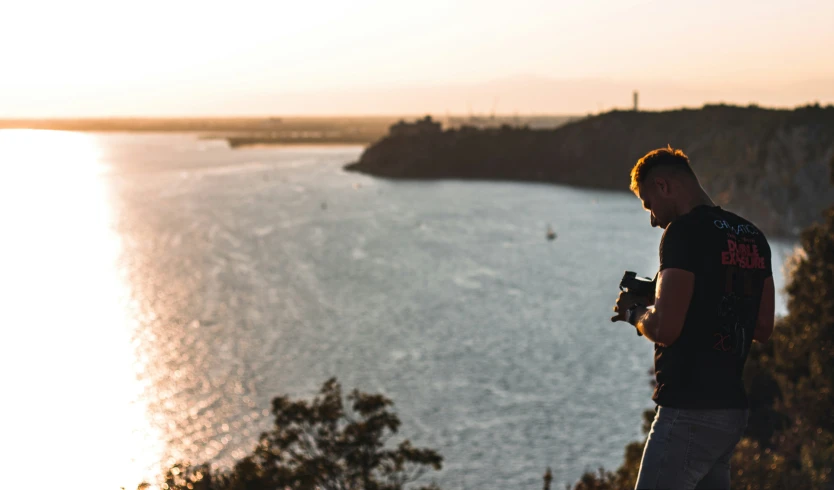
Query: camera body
[639, 286]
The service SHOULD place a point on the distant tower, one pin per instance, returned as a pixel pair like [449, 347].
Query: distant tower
[635, 101]
[548, 477]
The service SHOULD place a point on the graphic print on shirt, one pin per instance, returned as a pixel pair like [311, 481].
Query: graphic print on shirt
[736, 311]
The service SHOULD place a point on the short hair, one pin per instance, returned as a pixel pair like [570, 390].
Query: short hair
[662, 157]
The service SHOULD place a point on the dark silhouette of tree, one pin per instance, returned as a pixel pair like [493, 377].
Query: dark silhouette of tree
[790, 441]
[548, 477]
[317, 445]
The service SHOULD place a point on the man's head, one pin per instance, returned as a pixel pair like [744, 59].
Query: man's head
[665, 183]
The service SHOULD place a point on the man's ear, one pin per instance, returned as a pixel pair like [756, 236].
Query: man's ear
[662, 186]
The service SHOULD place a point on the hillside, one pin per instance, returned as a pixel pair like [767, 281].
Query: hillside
[772, 166]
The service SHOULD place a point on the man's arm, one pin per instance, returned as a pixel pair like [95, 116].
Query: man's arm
[663, 323]
[764, 322]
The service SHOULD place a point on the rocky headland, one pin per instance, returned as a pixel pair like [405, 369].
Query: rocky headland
[772, 166]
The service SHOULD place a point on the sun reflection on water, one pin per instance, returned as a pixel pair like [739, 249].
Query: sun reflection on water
[72, 410]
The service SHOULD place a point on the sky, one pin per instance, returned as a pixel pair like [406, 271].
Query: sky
[332, 57]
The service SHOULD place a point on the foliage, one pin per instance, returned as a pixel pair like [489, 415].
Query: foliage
[317, 445]
[790, 439]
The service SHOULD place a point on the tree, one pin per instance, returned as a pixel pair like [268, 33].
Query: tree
[793, 379]
[317, 445]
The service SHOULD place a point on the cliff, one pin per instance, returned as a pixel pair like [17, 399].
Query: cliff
[772, 166]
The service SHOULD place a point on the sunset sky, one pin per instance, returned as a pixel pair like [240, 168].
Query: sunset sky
[104, 58]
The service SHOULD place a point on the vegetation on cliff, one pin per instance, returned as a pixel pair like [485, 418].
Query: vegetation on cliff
[768, 165]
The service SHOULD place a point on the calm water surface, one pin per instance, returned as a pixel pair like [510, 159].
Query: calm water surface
[163, 289]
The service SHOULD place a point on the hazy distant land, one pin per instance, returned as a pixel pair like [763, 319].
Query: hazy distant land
[294, 130]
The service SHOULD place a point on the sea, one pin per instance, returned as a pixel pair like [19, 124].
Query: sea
[159, 290]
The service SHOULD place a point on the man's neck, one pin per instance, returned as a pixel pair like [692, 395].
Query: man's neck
[696, 199]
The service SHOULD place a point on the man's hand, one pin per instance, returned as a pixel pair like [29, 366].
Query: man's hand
[624, 302]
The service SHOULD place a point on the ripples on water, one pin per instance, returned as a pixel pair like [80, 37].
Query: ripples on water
[260, 272]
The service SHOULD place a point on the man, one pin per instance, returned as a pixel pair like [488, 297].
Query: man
[714, 296]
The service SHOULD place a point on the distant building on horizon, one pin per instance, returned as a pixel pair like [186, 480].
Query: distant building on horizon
[635, 102]
[421, 126]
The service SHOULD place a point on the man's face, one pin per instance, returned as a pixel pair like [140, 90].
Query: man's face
[657, 202]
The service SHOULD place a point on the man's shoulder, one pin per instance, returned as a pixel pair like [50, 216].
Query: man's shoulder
[739, 225]
[683, 224]
[680, 232]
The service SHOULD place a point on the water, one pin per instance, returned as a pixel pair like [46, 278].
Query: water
[189, 283]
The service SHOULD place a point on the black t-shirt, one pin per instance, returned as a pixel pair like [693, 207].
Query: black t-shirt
[730, 258]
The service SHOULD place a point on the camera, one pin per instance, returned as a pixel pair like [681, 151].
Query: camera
[641, 287]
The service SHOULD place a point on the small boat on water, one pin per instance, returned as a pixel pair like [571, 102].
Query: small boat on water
[551, 235]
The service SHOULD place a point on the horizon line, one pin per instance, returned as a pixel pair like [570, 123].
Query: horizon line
[815, 103]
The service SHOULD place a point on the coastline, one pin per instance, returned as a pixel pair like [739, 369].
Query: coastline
[771, 166]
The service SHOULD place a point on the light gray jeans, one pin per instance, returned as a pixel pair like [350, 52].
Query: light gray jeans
[690, 449]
